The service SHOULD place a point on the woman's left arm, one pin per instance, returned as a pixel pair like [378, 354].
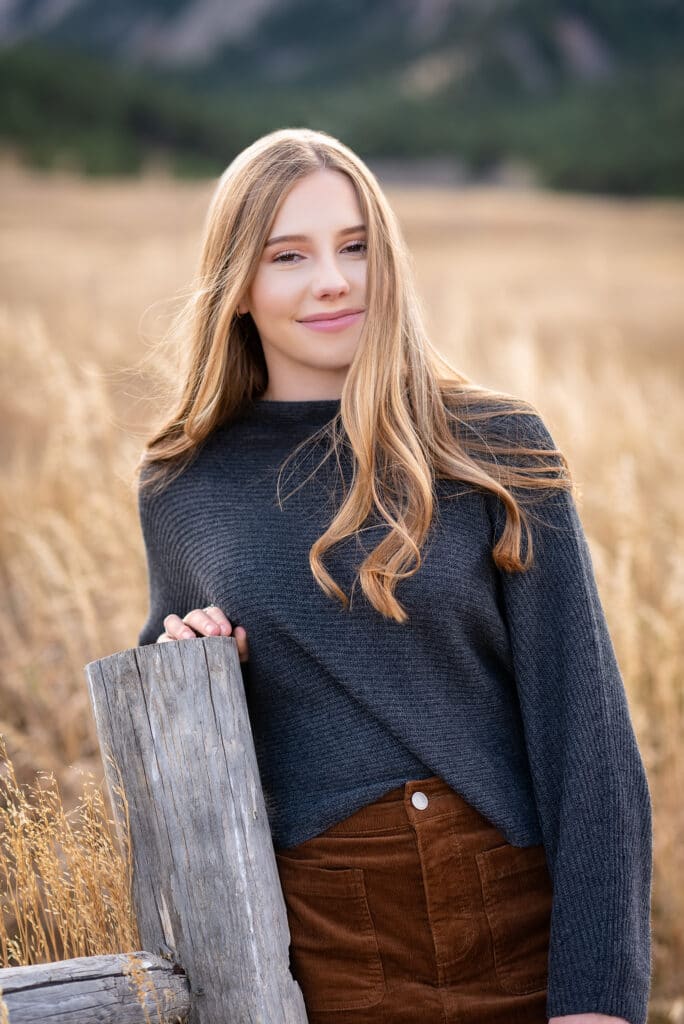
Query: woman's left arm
[589, 780]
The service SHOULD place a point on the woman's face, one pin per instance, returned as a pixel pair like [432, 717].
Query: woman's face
[319, 273]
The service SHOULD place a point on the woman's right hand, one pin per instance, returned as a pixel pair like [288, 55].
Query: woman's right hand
[209, 621]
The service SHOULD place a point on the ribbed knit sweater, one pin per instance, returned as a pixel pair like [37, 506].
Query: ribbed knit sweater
[505, 685]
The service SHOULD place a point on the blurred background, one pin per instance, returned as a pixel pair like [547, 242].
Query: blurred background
[534, 153]
[580, 95]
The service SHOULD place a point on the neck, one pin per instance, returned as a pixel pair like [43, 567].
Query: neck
[281, 396]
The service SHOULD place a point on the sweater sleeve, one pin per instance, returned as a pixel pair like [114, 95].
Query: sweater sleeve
[589, 780]
[171, 588]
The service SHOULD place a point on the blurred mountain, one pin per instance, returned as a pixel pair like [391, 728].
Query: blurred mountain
[551, 83]
[422, 46]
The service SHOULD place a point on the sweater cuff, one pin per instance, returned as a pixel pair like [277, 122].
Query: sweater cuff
[623, 993]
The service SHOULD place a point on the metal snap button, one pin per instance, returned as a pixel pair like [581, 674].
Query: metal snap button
[419, 800]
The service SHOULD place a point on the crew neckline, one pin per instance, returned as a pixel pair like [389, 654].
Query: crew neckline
[297, 401]
[303, 410]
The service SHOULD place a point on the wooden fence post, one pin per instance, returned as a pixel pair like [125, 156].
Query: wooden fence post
[175, 735]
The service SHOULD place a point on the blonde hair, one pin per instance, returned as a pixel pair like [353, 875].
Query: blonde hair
[408, 415]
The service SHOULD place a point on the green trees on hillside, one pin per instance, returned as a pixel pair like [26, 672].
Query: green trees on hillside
[64, 109]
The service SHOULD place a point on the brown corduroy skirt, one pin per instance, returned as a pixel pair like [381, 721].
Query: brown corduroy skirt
[416, 909]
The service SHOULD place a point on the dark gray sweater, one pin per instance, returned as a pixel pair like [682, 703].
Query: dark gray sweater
[505, 685]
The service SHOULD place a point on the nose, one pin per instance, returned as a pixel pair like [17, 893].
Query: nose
[329, 279]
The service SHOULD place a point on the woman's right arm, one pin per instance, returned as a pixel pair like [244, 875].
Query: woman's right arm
[172, 591]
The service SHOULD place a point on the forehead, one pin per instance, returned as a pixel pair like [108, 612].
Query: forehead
[323, 200]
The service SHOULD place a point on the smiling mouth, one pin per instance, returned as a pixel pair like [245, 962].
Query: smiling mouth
[319, 317]
[333, 324]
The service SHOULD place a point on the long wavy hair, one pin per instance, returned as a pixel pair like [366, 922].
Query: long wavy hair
[406, 415]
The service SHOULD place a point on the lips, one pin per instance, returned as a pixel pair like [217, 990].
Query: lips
[333, 324]
[317, 317]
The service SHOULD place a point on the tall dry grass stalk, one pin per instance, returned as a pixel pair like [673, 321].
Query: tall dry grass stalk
[574, 303]
[65, 883]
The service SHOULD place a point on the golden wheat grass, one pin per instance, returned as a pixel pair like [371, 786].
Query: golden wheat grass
[64, 882]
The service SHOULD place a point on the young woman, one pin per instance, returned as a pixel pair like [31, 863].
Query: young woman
[458, 805]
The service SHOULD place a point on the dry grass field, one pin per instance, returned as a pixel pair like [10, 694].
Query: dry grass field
[574, 303]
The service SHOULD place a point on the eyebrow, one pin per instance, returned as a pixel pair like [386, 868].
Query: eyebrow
[304, 238]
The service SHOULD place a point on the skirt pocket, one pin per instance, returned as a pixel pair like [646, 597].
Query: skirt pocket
[517, 893]
[334, 950]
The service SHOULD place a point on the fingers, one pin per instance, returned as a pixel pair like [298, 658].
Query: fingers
[176, 629]
[210, 621]
[242, 644]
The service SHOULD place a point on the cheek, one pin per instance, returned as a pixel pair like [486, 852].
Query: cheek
[272, 294]
[359, 276]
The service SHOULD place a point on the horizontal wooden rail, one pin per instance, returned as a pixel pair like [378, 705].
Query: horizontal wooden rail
[122, 988]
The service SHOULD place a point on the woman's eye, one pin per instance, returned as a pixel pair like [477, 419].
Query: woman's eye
[283, 258]
[287, 257]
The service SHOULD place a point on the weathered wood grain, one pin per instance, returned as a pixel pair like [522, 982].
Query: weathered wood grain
[96, 990]
[173, 719]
